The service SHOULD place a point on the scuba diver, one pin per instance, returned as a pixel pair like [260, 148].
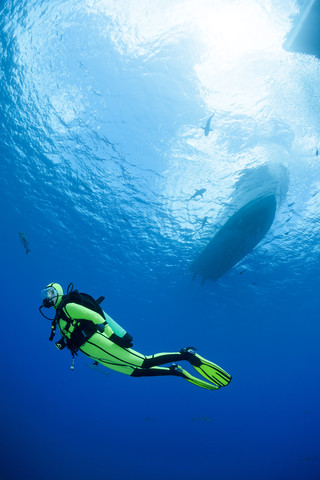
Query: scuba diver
[85, 327]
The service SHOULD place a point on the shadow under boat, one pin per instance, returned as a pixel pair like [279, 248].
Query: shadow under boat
[236, 238]
[304, 36]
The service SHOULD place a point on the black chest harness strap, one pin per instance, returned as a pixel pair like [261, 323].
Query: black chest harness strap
[83, 329]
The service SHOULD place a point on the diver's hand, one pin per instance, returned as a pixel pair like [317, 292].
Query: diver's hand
[124, 342]
[127, 338]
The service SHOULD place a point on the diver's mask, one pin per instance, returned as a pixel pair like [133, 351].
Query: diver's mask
[49, 297]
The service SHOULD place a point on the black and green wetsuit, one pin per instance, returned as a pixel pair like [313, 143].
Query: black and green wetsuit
[90, 333]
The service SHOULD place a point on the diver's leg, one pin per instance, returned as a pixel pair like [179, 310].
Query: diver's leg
[175, 370]
[207, 369]
[102, 350]
[153, 372]
[161, 358]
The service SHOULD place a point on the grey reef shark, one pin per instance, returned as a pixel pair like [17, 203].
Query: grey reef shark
[207, 128]
[198, 193]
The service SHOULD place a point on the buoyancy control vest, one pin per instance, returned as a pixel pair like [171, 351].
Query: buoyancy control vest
[84, 329]
[83, 299]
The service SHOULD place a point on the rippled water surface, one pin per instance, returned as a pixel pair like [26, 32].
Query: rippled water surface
[103, 109]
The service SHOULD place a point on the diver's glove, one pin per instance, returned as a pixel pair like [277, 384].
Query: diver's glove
[100, 327]
[124, 342]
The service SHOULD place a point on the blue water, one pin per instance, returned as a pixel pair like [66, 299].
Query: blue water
[102, 105]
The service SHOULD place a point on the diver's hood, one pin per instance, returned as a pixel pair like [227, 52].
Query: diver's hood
[52, 295]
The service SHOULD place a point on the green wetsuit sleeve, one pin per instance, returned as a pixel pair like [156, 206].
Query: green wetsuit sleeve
[76, 311]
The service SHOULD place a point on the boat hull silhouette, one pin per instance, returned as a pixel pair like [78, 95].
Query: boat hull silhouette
[237, 237]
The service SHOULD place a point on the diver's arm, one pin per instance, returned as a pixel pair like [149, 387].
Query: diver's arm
[76, 311]
[124, 342]
[82, 313]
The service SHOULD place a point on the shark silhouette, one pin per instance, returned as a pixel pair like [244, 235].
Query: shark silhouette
[207, 128]
[204, 221]
[198, 193]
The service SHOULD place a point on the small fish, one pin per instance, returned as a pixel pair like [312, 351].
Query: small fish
[203, 419]
[317, 152]
[198, 193]
[24, 242]
[207, 128]
[148, 419]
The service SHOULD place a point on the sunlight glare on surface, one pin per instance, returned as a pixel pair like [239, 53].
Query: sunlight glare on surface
[237, 28]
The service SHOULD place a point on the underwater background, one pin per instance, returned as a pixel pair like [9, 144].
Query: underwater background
[103, 106]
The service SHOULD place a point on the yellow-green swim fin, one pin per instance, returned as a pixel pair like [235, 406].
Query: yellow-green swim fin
[208, 370]
[181, 372]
